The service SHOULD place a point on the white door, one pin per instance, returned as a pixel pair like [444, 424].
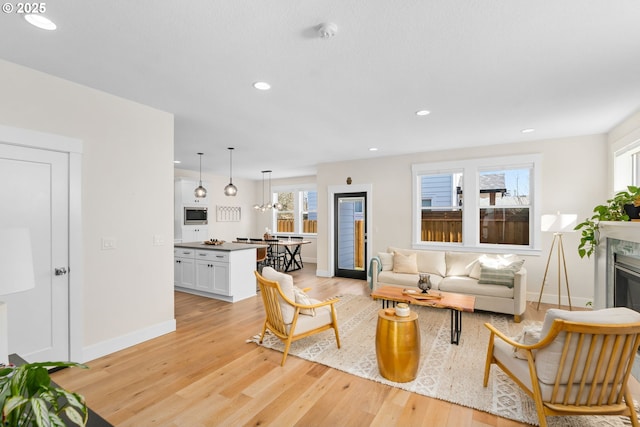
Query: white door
[34, 193]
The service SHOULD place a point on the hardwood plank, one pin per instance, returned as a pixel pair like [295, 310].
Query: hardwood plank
[205, 374]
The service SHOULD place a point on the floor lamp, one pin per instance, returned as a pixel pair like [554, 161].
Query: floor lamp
[557, 224]
[16, 275]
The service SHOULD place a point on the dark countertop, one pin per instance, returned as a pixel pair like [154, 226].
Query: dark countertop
[228, 246]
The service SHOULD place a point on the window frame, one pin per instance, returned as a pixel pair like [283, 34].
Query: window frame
[471, 169]
[297, 191]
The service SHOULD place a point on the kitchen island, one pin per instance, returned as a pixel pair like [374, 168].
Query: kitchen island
[223, 271]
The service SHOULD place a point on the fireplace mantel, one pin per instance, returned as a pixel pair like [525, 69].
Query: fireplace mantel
[615, 237]
[621, 230]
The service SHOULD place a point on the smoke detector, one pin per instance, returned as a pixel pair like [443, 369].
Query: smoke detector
[327, 30]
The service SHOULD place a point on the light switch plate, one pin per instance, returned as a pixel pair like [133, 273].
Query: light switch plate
[158, 240]
[108, 243]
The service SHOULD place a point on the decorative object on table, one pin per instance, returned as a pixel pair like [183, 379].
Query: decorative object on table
[421, 296]
[228, 213]
[402, 309]
[424, 282]
[214, 242]
[29, 399]
[267, 234]
[230, 189]
[200, 191]
[16, 270]
[614, 210]
[557, 224]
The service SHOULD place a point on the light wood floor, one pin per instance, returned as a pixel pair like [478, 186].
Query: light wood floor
[205, 374]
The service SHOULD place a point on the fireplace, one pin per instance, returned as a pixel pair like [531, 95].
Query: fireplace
[626, 283]
[617, 270]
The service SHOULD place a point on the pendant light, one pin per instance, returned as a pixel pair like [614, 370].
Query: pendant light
[270, 205]
[200, 191]
[261, 207]
[277, 205]
[230, 189]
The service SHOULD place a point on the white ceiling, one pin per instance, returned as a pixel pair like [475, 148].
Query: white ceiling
[486, 69]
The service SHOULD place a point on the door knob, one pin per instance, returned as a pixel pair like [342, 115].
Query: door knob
[60, 271]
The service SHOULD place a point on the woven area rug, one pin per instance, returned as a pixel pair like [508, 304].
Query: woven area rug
[448, 372]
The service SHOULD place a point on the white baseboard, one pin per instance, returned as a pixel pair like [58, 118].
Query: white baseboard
[323, 273]
[576, 302]
[112, 345]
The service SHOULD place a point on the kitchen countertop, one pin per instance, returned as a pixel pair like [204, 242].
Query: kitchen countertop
[228, 246]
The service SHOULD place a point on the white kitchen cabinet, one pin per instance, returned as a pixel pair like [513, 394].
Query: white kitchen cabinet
[223, 272]
[195, 233]
[184, 193]
[184, 274]
[212, 272]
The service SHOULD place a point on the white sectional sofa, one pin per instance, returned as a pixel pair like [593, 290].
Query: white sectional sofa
[499, 282]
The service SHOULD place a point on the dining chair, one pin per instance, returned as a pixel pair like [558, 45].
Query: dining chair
[261, 258]
[276, 254]
[580, 365]
[285, 317]
[242, 239]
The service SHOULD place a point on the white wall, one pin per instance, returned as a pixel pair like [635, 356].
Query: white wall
[127, 194]
[245, 199]
[574, 180]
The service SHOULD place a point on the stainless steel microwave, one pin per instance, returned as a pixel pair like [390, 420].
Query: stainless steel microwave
[195, 216]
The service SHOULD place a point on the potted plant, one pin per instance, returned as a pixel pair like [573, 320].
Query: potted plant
[619, 208]
[29, 398]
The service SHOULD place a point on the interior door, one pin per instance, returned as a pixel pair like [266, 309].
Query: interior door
[34, 190]
[350, 235]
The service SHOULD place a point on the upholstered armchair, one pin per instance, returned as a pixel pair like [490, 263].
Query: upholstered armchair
[290, 313]
[580, 365]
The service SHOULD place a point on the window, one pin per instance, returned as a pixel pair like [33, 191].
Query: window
[299, 213]
[441, 202]
[504, 205]
[627, 167]
[483, 203]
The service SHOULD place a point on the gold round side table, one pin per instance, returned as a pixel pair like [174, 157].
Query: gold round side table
[398, 346]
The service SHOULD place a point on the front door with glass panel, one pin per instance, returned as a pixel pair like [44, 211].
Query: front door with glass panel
[350, 235]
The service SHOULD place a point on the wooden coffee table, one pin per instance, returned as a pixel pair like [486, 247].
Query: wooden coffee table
[457, 303]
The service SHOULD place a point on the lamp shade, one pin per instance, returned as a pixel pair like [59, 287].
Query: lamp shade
[558, 223]
[16, 261]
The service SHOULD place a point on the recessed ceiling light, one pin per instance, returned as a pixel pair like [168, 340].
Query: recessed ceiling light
[529, 130]
[373, 149]
[262, 85]
[40, 21]
[423, 112]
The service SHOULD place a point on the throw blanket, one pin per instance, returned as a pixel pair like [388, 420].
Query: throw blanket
[370, 273]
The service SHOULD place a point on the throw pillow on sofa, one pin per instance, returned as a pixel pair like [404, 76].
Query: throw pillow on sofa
[405, 263]
[386, 259]
[504, 275]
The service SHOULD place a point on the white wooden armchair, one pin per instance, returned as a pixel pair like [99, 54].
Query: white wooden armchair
[580, 366]
[290, 320]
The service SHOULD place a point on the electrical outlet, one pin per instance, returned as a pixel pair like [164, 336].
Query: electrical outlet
[108, 243]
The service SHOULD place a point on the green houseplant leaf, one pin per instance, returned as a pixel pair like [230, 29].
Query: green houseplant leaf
[613, 210]
[29, 399]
